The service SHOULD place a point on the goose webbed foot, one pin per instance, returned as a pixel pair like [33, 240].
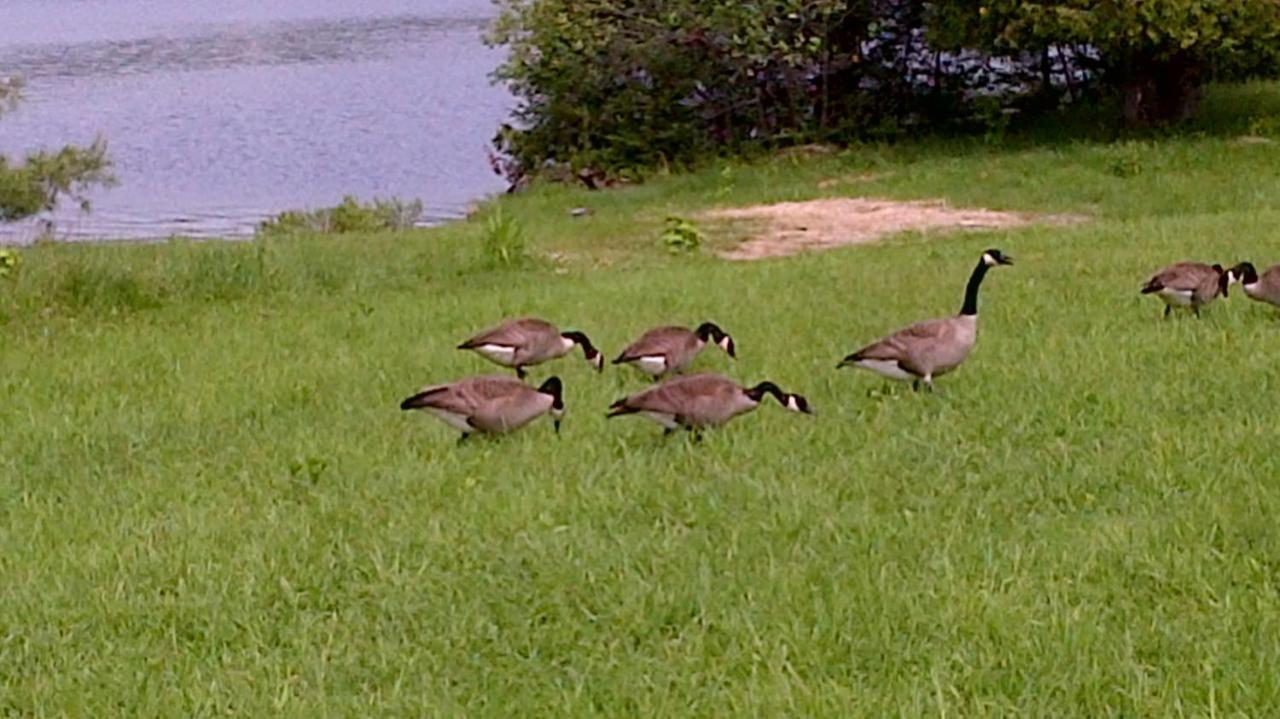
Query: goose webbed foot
[462, 440]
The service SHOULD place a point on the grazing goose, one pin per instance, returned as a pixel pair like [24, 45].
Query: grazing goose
[1263, 287]
[665, 351]
[492, 404]
[931, 348]
[1188, 284]
[528, 341]
[702, 400]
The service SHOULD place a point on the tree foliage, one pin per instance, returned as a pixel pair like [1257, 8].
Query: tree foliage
[1156, 53]
[610, 87]
[45, 178]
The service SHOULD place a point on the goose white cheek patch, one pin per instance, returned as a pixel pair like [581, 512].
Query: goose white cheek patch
[793, 405]
[725, 343]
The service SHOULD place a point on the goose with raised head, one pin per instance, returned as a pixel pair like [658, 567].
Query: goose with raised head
[490, 404]
[664, 351]
[702, 400]
[529, 341]
[1263, 287]
[926, 350]
[1188, 284]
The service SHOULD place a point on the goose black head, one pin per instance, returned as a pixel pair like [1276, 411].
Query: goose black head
[589, 351]
[994, 257]
[793, 402]
[555, 389]
[797, 403]
[711, 332]
[1244, 273]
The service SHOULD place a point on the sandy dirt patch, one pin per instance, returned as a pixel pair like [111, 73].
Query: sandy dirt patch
[787, 228]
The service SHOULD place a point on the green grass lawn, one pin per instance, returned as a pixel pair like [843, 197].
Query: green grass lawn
[210, 502]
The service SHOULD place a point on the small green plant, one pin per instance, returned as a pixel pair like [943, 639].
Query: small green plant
[1125, 159]
[8, 263]
[348, 216]
[1264, 126]
[681, 236]
[505, 244]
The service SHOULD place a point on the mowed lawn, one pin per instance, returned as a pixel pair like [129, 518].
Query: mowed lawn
[211, 504]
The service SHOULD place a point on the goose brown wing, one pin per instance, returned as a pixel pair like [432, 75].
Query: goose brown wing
[1182, 276]
[466, 396]
[657, 341]
[679, 396]
[512, 333]
[898, 345]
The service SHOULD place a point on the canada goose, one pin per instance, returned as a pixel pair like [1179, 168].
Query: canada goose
[931, 348]
[702, 400]
[664, 351]
[1188, 284]
[527, 341]
[492, 404]
[1263, 287]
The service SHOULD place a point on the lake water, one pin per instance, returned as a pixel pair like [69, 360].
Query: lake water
[220, 114]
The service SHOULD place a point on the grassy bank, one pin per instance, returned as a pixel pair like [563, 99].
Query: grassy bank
[211, 503]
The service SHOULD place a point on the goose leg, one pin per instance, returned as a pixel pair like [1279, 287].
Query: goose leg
[1196, 310]
[520, 372]
[915, 385]
[1167, 310]
[463, 438]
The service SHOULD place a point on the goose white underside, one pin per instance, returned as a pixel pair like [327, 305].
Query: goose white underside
[501, 354]
[453, 419]
[666, 420]
[887, 368]
[1177, 298]
[652, 364]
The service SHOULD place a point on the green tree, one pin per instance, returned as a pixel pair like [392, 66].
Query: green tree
[1156, 54]
[45, 178]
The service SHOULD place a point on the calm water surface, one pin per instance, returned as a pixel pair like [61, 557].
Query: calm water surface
[219, 114]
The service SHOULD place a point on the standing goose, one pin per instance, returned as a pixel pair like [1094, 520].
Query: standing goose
[1188, 284]
[667, 350]
[492, 404]
[528, 341]
[1264, 287]
[702, 400]
[931, 348]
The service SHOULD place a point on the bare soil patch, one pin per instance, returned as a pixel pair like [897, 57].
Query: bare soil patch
[787, 228]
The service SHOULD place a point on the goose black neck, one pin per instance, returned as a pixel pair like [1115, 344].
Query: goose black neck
[579, 338]
[555, 388]
[758, 392]
[970, 306]
[708, 331]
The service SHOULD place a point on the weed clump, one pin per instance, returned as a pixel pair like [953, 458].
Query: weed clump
[348, 216]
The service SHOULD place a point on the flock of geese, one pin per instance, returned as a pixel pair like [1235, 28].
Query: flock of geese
[918, 353]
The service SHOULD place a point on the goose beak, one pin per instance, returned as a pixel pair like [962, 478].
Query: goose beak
[1005, 260]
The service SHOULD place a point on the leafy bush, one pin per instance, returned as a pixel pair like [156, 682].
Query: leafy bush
[681, 236]
[504, 243]
[43, 179]
[346, 217]
[8, 263]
